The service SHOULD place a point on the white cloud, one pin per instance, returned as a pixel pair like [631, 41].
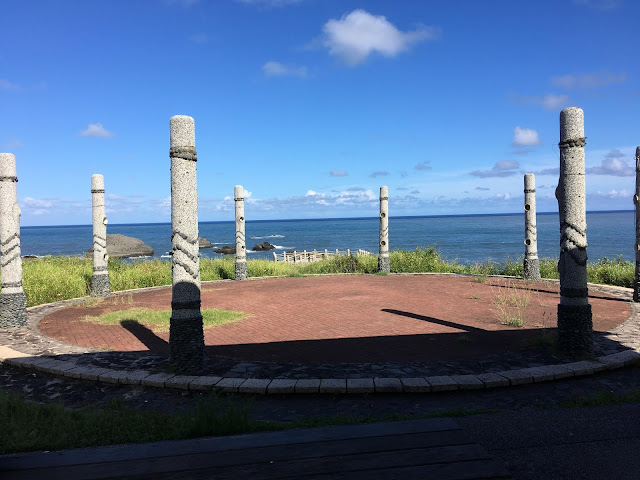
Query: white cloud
[588, 80]
[38, 203]
[378, 174]
[358, 34]
[525, 137]
[96, 130]
[5, 84]
[548, 102]
[502, 168]
[277, 69]
[613, 193]
[338, 173]
[199, 38]
[613, 164]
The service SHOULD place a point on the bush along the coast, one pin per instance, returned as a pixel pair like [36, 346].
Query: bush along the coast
[50, 279]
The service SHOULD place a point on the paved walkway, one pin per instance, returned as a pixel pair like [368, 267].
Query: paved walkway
[28, 348]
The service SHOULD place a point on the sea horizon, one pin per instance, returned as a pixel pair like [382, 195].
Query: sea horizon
[466, 238]
[320, 219]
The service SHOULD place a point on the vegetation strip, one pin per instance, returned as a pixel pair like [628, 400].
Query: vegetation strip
[51, 279]
[158, 320]
[28, 426]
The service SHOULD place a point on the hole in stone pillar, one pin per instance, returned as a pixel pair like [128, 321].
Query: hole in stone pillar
[382, 215]
[527, 207]
[241, 219]
[106, 257]
[527, 242]
[243, 247]
[383, 243]
[104, 220]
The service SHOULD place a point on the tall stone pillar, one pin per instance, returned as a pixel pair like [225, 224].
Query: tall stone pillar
[241, 247]
[575, 325]
[383, 254]
[13, 301]
[100, 280]
[531, 260]
[636, 200]
[186, 337]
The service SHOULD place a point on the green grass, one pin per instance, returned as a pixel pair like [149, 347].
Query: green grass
[601, 398]
[51, 279]
[27, 426]
[158, 320]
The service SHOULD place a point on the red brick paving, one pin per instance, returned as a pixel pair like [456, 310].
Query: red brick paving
[345, 318]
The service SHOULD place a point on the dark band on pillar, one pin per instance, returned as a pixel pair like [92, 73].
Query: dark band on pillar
[9, 178]
[533, 190]
[186, 153]
[576, 142]
[574, 292]
[100, 269]
[11, 284]
[194, 305]
[97, 190]
[384, 198]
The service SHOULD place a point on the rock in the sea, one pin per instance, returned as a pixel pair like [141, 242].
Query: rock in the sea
[226, 249]
[121, 246]
[263, 247]
[204, 243]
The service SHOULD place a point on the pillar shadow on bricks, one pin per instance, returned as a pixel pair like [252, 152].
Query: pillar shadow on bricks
[150, 340]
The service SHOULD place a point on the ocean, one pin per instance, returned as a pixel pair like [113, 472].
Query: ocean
[467, 238]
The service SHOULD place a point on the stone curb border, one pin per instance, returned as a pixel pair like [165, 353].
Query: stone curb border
[264, 386]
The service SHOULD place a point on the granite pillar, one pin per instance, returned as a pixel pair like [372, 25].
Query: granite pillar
[100, 286]
[241, 247]
[13, 301]
[531, 261]
[575, 325]
[186, 336]
[383, 254]
[636, 200]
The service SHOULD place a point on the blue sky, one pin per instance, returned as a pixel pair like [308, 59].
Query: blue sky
[312, 105]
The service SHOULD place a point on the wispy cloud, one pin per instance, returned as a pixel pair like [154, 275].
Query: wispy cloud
[13, 143]
[338, 173]
[277, 69]
[182, 3]
[614, 165]
[525, 137]
[269, 3]
[199, 38]
[423, 165]
[96, 130]
[555, 171]
[378, 174]
[358, 34]
[482, 188]
[599, 4]
[6, 85]
[588, 80]
[503, 168]
[548, 102]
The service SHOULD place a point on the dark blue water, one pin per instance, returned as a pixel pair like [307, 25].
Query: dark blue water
[466, 238]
